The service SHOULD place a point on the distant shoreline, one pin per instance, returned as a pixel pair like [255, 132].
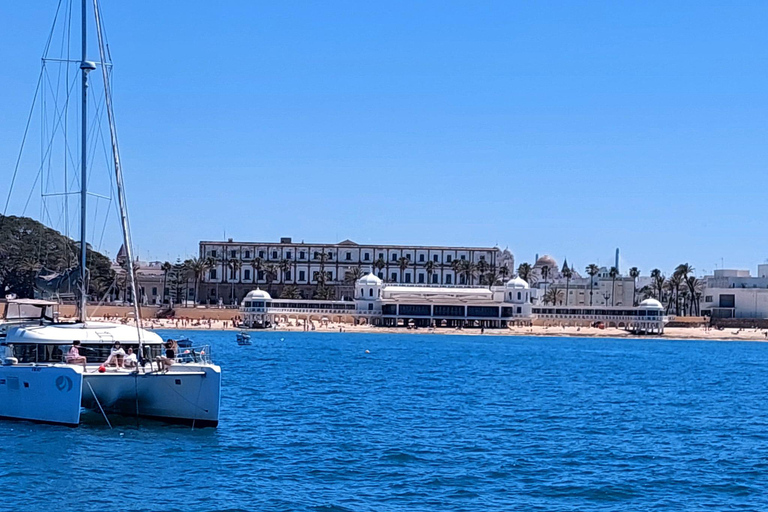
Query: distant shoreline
[670, 334]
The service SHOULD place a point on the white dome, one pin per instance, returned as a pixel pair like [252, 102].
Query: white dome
[651, 304]
[257, 294]
[369, 280]
[517, 283]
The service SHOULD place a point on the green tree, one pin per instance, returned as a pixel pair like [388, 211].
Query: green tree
[613, 273]
[166, 268]
[567, 274]
[430, 268]
[525, 272]
[592, 270]
[290, 292]
[234, 267]
[403, 263]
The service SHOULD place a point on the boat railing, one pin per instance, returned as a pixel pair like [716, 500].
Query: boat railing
[199, 354]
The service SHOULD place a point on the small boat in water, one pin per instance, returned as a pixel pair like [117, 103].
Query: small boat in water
[243, 338]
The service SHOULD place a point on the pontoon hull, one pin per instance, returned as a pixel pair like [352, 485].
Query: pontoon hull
[47, 394]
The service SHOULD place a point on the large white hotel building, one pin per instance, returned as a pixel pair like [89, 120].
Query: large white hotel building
[275, 265]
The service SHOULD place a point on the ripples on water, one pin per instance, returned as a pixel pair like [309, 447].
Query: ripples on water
[425, 422]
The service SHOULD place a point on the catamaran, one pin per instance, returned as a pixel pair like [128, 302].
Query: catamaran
[39, 382]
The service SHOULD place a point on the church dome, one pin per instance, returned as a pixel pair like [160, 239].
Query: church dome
[257, 294]
[546, 260]
[369, 280]
[517, 283]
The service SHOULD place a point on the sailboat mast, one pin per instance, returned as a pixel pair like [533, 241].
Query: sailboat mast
[84, 69]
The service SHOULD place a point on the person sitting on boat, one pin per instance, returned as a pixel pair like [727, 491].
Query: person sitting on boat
[116, 356]
[167, 360]
[73, 356]
[130, 359]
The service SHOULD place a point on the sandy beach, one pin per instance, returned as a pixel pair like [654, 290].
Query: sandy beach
[681, 333]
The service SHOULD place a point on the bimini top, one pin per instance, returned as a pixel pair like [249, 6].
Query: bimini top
[257, 294]
[651, 304]
[89, 332]
[517, 283]
[369, 280]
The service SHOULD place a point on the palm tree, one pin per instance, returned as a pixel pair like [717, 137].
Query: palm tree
[552, 295]
[658, 281]
[694, 287]
[525, 272]
[198, 267]
[592, 271]
[270, 274]
[492, 278]
[403, 263]
[234, 267]
[482, 268]
[504, 272]
[352, 275]
[634, 273]
[379, 264]
[613, 273]
[165, 267]
[430, 268]
[468, 271]
[545, 274]
[673, 284]
[456, 266]
[567, 274]
[258, 266]
[285, 266]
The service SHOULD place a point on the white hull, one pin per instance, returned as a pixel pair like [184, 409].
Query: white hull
[189, 393]
[50, 394]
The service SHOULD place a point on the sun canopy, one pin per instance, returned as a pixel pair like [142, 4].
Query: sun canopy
[90, 332]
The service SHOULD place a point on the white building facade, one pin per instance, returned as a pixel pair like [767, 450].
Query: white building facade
[305, 266]
[731, 293]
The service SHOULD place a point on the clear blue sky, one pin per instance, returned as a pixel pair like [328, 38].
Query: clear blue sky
[568, 128]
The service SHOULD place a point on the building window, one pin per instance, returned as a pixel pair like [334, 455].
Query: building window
[421, 278]
[708, 298]
[274, 255]
[381, 255]
[212, 273]
[362, 292]
[302, 275]
[421, 257]
[330, 255]
[519, 295]
[302, 255]
[463, 257]
[233, 254]
[261, 254]
[213, 253]
[448, 279]
[287, 275]
[288, 255]
[394, 256]
[434, 258]
[154, 290]
[394, 277]
[448, 259]
[381, 275]
[348, 256]
[408, 257]
[247, 254]
[366, 256]
[434, 278]
[462, 279]
[482, 258]
[260, 275]
[247, 274]
[370, 292]
[407, 277]
[317, 255]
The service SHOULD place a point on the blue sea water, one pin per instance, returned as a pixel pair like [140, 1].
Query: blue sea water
[311, 422]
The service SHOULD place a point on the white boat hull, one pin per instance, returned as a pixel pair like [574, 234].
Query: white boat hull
[187, 394]
[49, 394]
